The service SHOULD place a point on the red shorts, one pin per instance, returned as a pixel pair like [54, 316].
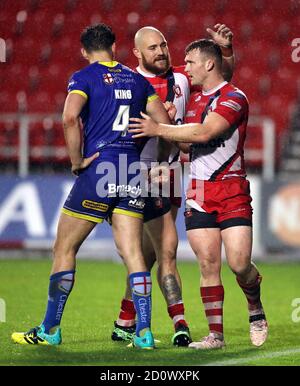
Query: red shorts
[225, 203]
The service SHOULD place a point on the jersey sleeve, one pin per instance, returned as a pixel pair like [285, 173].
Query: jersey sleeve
[232, 106]
[150, 92]
[78, 85]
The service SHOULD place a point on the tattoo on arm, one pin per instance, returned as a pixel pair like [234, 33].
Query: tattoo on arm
[171, 290]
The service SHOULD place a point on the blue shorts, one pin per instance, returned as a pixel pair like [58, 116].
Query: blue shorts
[106, 187]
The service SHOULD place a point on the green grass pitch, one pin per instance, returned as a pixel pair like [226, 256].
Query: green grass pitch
[94, 305]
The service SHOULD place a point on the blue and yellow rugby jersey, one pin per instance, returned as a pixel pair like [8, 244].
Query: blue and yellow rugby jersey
[114, 94]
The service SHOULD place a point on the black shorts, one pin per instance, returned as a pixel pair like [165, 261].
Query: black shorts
[156, 207]
[197, 220]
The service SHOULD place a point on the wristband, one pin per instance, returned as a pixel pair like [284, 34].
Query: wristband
[227, 52]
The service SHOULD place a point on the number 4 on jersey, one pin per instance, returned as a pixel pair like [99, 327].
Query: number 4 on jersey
[122, 120]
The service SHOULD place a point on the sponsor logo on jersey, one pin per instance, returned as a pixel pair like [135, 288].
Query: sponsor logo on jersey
[198, 98]
[232, 105]
[71, 83]
[159, 85]
[123, 78]
[177, 90]
[217, 142]
[114, 70]
[108, 79]
[123, 94]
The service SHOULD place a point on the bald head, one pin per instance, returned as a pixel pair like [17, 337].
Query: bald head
[145, 35]
[151, 49]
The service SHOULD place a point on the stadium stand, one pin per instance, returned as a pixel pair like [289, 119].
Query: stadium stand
[42, 42]
[290, 163]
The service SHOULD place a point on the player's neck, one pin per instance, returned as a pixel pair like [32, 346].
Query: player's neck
[100, 58]
[212, 83]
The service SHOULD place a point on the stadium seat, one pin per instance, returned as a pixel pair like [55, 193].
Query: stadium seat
[40, 102]
[9, 141]
[8, 102]
[44, 138]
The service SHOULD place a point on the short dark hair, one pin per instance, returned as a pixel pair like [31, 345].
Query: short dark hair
[208, 47]
[99, 37]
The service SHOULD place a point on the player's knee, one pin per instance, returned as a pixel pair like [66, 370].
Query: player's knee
[169, 254]
[240, 267]
[209, 266]
[56, 249]
[128, 252]
[167, 265]
[62, 250]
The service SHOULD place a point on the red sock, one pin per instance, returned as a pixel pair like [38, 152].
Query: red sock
[252, 293]
[127, 314]
[213, 298]
[176, 312]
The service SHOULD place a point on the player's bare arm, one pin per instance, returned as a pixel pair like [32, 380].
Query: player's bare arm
[214, 126]
[223, 36]
[158, 112]
[72, 131]
[171, 110]
[183, 146]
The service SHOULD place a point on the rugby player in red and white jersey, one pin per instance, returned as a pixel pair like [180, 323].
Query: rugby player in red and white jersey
[160, 240]
[218, 198]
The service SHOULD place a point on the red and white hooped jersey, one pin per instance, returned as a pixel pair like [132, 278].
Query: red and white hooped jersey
[174, 86]
[222, 157]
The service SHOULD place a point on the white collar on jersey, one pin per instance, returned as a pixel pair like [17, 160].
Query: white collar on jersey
[145, 74]
[214, 90]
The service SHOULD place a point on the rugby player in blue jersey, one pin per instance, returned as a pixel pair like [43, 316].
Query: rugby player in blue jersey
[104, 96]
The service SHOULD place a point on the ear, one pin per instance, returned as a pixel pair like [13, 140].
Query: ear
[84, 54]
[113, 49]
[137, 53]
[209, 65]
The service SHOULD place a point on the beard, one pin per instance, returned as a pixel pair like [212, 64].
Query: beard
[160, 65]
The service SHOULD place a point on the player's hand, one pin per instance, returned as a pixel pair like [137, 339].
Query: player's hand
[171, 110]
[85, 162]
[159, 174]
[144, 127]
[221, 34]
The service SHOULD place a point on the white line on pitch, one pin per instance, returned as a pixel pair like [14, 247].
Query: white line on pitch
[269, 355]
